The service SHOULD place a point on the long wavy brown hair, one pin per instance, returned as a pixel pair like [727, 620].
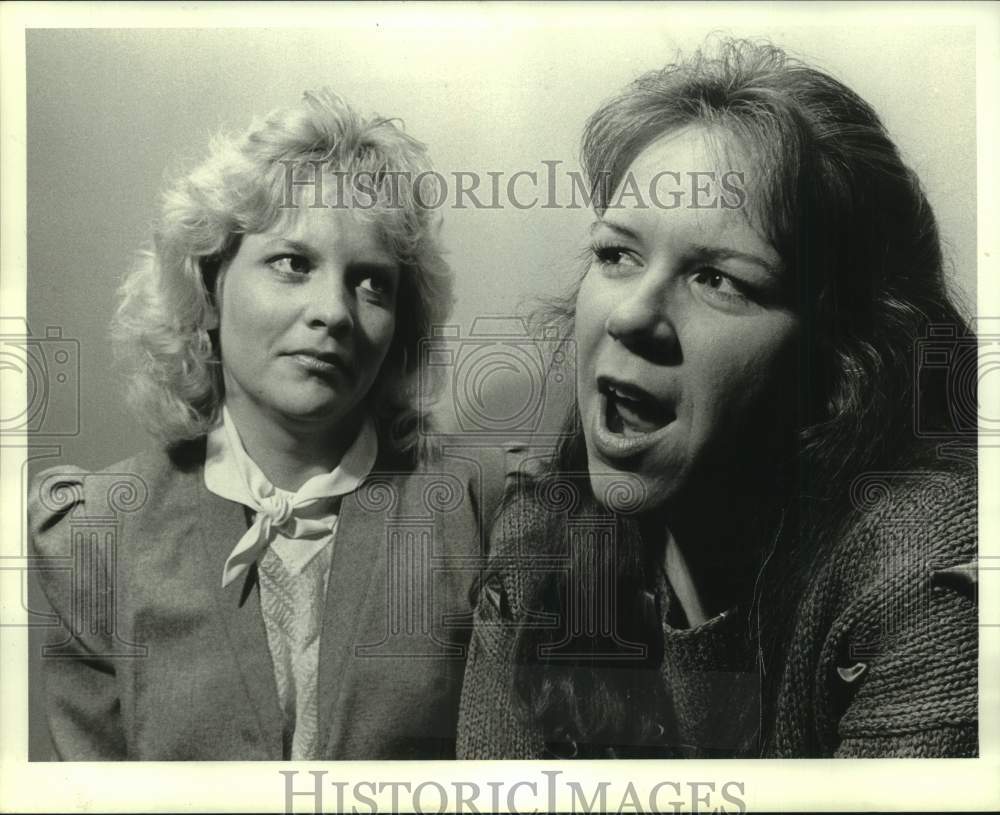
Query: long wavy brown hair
[852, 224]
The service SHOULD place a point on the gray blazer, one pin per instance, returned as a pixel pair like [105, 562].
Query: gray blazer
[153, 660]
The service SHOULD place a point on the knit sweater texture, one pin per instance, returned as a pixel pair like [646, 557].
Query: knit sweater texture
[882, 659]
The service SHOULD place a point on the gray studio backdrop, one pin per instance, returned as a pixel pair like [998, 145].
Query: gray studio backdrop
[112, 113]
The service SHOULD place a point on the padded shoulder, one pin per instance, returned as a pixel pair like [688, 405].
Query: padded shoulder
[65, 491]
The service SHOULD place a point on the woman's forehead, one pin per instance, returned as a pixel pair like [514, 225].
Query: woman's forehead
[695, 179]
[324, 227]
[697, 150]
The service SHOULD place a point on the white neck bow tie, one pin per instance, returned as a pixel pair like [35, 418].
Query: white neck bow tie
[281, 511]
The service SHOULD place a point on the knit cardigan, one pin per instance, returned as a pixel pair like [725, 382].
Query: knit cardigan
[882, 660]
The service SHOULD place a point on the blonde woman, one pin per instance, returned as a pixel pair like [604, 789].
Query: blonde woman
[274, 343]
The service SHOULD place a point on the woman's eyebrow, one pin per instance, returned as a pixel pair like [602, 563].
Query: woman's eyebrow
[716, 253]
[289, 244]
[619, 228]
[380, 261]
[701, 253]
[375, 266]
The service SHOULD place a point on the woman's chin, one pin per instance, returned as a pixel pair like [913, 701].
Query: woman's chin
[315, 416]
[637, 491]
[622, 492]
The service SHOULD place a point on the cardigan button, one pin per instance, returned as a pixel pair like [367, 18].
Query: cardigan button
[563, 750]
[852, 674]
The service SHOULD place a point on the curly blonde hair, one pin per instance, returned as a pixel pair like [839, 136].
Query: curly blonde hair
[163, 324]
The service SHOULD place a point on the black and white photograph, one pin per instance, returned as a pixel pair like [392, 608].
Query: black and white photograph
[500, 407]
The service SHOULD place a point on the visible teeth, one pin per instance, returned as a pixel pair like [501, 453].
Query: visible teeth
[623, 396]
[628, 415]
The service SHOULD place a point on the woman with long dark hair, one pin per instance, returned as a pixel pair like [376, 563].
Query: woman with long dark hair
[753, 539]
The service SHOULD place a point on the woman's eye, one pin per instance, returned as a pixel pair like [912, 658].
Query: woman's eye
[377, 286]
[720, 284]
[291, 265]
[374, 284]
[612, 255]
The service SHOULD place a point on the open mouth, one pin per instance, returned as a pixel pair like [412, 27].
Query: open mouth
[630, 412]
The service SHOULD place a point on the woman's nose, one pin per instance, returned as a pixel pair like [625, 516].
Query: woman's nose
[329, 301]
[642, 321]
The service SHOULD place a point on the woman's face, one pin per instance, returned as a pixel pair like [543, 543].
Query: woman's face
[684, 329]
[307, 313]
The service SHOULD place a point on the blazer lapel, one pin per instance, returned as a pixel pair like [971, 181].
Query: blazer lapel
[357, 551]
[239, 609]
